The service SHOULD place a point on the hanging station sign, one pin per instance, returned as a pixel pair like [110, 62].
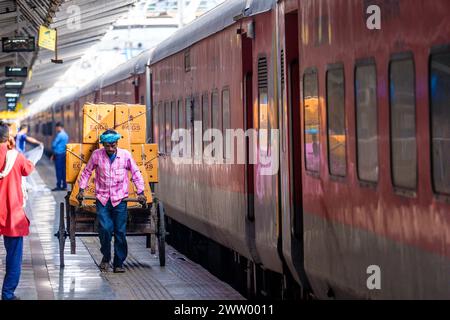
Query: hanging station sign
[47, 38]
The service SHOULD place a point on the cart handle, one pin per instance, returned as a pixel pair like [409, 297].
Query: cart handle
[126, 200]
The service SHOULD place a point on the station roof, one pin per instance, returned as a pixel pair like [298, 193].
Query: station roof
[80, 24]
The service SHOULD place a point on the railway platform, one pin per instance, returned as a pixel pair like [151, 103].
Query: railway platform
[80, 279]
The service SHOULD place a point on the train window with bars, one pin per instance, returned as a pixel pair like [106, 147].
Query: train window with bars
[181, 123]
[215, 111]
[367, 121]
[440, 120]
[167, 111]
[187, 60]
[197, 131]
[226, 119]
[403, 123]
[215, 114]
[206, 117]
[174, 120]
[162, 127]
[50, 128]
[263, 103]
[337, 158]
[312, 120]
[189, 122]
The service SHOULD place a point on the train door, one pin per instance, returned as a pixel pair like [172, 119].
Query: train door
[247, 72]
[295, 144]
[247, 59]
[293, 99]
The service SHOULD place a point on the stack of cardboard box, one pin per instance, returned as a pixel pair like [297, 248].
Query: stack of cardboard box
[130, 122]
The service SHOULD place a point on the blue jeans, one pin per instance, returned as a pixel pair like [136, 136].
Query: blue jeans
[14, 250]
[60, 166]
[113, 219]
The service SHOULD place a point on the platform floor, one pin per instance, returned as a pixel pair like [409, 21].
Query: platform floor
[43, 279]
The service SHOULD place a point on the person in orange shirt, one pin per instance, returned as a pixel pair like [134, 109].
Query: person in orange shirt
[14, 224]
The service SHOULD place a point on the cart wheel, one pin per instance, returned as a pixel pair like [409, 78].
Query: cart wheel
[61, 235]
[161, 235]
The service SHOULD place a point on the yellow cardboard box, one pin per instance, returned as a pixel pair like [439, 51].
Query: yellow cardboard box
[77, 154]
[130, 122]
[96, 119]
[138, 124]
[122, 125]
[146, 155]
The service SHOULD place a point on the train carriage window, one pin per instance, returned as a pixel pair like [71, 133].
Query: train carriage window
[403, 123]
[181, 123]
[216, 114]
[367, 122]
[440, 121]
[206, 117]
[168, 126]
[263, 103]
[174, 120]
[226, 119]
[312, 120]
[336, 122]
[189, 124]
[215, 111]
[198, 148]
[162, 127]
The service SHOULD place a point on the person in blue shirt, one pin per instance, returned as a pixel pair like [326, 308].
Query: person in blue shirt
[22, 138]
[59, 156]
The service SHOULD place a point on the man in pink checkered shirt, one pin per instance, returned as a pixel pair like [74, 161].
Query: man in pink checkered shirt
[111, 166]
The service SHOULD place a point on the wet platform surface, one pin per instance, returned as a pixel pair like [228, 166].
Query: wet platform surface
[43, 279]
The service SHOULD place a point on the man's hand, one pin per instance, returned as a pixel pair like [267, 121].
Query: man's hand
[142, 199]
[80, 196]
[11, 143]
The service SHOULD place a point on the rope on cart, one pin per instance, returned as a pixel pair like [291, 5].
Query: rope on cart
[150, 160]
[76, 155]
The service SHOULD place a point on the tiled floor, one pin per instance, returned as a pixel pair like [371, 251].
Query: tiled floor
[43, 279]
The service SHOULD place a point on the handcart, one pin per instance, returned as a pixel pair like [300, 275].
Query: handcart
[80, 220]
[77, 221]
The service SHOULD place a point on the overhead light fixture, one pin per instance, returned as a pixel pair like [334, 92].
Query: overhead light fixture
[12, 95]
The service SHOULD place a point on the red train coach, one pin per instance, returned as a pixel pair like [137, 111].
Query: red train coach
[198, 76]
[365, 122]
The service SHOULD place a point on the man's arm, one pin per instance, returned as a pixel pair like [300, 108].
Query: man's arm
[137, 178]
[87, 172]
[32, 140]
[56, 141]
